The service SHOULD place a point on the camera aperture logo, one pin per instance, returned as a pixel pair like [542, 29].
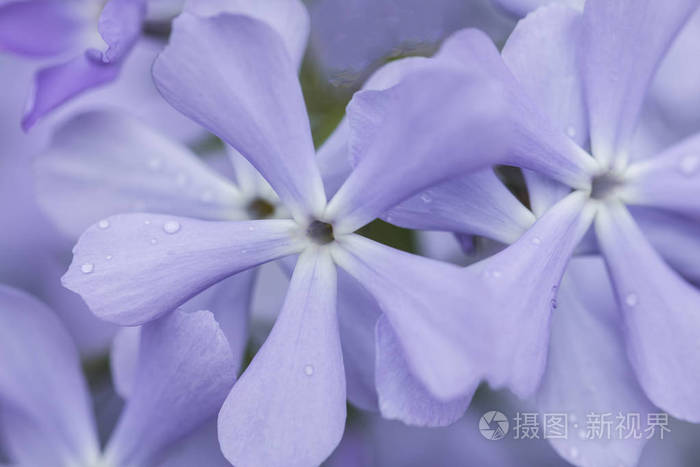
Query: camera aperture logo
[493, 425]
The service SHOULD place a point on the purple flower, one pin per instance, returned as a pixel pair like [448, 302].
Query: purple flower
[184, 370]
[587, 74]
[234, 75]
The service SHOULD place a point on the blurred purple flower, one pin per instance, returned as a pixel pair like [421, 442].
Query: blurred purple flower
[183, 373]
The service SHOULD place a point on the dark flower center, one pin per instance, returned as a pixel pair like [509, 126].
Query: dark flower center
[260, 208]
[320, 232]
[605, 185]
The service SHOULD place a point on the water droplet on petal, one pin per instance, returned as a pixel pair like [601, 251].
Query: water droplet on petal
[631, 299]
[147, 222]
[87, 268]
[690, 164]
[573, 452]
[108, 257]
[426, 197]
[171, 227]
[536, 241]
[153, 241]
[496, 274]
[103, 224]
[308, 370]
[571, 131]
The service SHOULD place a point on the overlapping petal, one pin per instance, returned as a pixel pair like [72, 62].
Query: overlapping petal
[109, 163]
[588, 371]
[541, 53]
[120, 27]
[185, 370]
[401, 395]
[232, 74]
[619, 57]
[132, 268]
[44, 398]
[477, 203]
[288, 407]
[661, 314]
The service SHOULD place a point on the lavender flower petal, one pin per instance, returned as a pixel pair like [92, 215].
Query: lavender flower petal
[120, 27]
[670, 180]
[541, 53]
[288, 407]
[540, 145]
[109, 163]
[40, 28]
[201, 447]
[477, 203]
[185, 371]
[124, 359]
[659, 310]
[132, 268]
[57, 84]
[288, 17]
[232, 74]
[40, 366]
[521, 8]
[619, 58]
[588, 370]
[402, 396]
[404, 158]
[676, 238]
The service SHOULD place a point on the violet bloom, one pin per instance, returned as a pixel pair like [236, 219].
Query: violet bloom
[601, 60]
[292, 396]
[184, 371]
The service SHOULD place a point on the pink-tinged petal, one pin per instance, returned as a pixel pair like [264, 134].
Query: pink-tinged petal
[676, 238]
[661, 314]
[42, 386]
[288, 407]
[108, 163]
[124, 359]
[40, 28]
[541, 53]
[57, 84]
[357, 314]
[477, 203]
[539, 144]
[120, 26]
[458, 326]
[288, 17]
[669, 181]
[520, 8]
[622, 44]
[588, 371]
[133, 268]
[232, 74]
[402, 396]
[184, 372]
[403, 158]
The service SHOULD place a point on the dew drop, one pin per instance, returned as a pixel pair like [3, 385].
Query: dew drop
[573, 452]
[103, 224]
[496, 274]
[426, 198]
[308, 370]
[108, 257]
[153, 241]
[631, 299]
[554, 304]
[690, 164]
[171, 227]
[87, 268]
[571, 131]
[147, 222]
[536, 241]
